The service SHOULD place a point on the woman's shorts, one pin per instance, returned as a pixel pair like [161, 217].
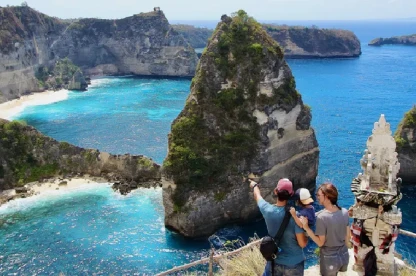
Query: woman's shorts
[332, 263]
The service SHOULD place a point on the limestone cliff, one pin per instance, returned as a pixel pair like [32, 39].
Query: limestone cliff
[243, 115]
[304, 42]
[143, 44]
[404, 40]
[26, 155]
[25, 39]
[405, 137]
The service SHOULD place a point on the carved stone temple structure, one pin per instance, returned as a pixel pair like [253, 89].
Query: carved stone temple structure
[377, 191]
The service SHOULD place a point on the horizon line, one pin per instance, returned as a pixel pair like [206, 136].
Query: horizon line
[258, 19]
[217, 20]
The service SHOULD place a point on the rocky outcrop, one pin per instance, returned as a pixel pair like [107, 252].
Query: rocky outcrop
[304, 42]
[26, 155]
[243, 115]
[405, 137]
[63, 74]
[404, 40]
[143, 44]
[197, 37]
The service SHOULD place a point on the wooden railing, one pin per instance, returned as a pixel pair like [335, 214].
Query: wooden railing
[211, 259]
[215, 258]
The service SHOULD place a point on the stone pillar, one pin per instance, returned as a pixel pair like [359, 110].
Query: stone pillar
[377, 191]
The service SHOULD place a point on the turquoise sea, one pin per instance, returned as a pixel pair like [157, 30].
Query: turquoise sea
[96, 231]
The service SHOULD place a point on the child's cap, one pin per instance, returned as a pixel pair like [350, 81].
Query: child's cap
[304, 196]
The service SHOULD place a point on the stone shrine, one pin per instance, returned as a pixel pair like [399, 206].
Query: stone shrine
[377, 191]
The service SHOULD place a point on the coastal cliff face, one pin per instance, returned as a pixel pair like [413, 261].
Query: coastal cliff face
[26, 155]
[25, 39]
[405, 137]
[404, 40]
[304, 42]
[143, 44]
[243, 115]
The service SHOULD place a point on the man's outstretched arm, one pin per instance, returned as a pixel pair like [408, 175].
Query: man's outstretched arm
[256, 190]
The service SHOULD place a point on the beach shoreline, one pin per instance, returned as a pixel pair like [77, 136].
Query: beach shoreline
[37, 188]
[9, 109]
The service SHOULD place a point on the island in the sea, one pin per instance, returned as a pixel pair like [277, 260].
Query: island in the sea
[313, 42]
[296, 41]
[401, 40]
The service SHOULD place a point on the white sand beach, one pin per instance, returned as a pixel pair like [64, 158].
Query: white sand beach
[10, 109]
[63, 184]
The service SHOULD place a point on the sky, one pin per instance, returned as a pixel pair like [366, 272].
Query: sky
[213, 9]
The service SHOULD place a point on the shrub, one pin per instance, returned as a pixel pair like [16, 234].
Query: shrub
[247, 262]
[410, 118]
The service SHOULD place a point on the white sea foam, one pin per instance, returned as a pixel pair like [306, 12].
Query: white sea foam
[99, 82]
[11, 109]
[50, 192]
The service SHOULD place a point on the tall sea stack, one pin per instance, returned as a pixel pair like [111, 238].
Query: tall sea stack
[243, 115]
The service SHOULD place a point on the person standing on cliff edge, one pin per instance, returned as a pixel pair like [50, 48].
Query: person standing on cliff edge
[290, 260]
[332, 233]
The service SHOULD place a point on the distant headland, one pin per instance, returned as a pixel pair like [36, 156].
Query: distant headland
[296, 41]
[402, 40]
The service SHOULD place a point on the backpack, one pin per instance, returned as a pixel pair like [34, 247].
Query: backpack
[269, 246]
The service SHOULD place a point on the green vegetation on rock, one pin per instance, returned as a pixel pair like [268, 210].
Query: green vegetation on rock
[410, 118]
[16, 150]
[408, 124]
[26, 155]
[63, 74]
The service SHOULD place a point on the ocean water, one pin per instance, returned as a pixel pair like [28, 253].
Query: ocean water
[97, 231]
[121, 115]
[90, 230]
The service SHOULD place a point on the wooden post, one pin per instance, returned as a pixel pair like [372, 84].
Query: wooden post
[211, 261]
